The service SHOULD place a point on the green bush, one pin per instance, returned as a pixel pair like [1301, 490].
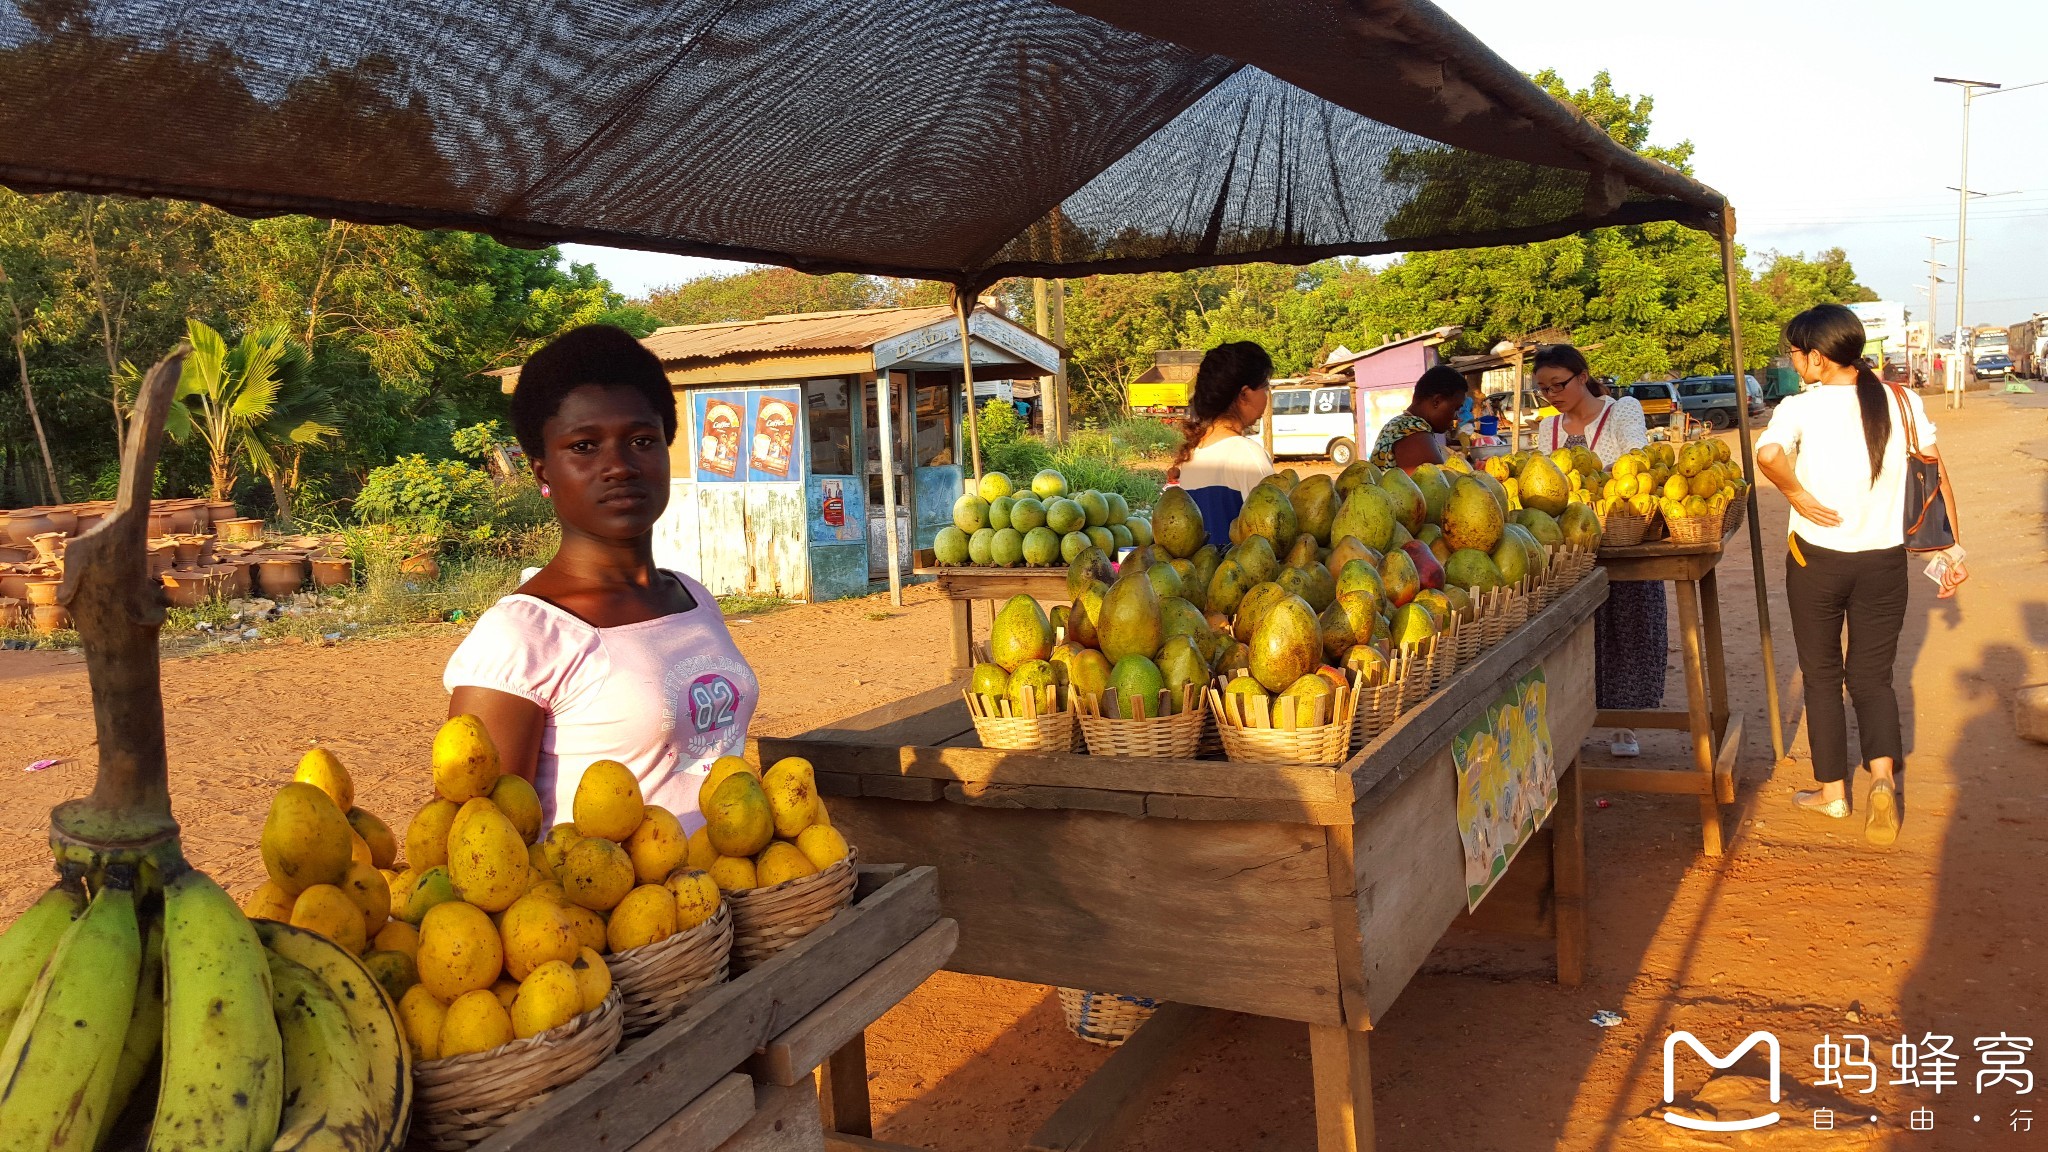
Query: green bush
[1145, 436]
[476, 441]
[434, 495]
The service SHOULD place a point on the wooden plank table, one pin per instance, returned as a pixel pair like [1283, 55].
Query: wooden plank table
[1716, 733]
[964, 585]
[736, 1072]
[1308, 894]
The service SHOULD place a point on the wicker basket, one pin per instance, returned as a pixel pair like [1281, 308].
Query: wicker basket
[1622, 529]
[767, 920]
[1379, 705]
[464, 1100]
[1733, 516]
[1443, 658]
[1695, 529]
[1175, 737]
[1033, 731]
[1264, 733]
[660, 979]
[1105, 1018]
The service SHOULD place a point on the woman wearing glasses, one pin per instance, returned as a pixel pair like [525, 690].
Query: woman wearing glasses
[1628, 630]
[1218, 464]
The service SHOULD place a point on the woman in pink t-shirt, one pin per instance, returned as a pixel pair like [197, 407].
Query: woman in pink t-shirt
[602, 655]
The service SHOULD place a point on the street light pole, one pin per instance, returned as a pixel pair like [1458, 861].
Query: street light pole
[1959, 376]
[1934, 268]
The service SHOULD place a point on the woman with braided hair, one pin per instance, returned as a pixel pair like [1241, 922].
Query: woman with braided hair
[1218, 464]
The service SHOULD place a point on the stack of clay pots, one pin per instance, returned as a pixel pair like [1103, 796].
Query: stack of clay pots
[32, 544]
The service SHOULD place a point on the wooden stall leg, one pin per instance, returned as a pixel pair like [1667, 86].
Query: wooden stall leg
[1568, 877]
[1343, 1077]
[1717, 668]
[963, 637]
[843, 1090]
[1700, 722]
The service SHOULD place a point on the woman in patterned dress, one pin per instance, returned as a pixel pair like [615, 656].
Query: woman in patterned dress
[1628, 630]
[1415, 437]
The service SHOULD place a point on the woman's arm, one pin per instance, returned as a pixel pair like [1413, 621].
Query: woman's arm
[1416, 449]
[514, 722]
[1776, 465]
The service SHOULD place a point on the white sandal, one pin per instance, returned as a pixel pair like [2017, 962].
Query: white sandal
[1624, 743]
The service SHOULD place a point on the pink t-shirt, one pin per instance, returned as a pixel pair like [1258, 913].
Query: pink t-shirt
[665, 697]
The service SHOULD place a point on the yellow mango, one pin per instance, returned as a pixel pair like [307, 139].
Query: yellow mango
[326, 909]
[368, 891]
[537, 855]
[696, 896]
[422, 1016]
[792, 790]
[608, 801]
[781, 861]
[593, 978]
[646, 915]
[476, 1022]
[596, 873]
[429, 889]
[306, 839]
[721, 768]
[426, 838]
[520, 804]
[506, 990]
[377, 834]
[465, 760]
[268, 902]
[701, 853]
[549, 890]
[359, 850]
[588, 926]
[397, 936]
[486, 857]
[738, 817]
[548, 998]
[822, 845]
[459, 952]
[322, 769]
[733, 873]
[560, 839]
[657, 846]
[821, 816]
[535, 931]
[394, 970]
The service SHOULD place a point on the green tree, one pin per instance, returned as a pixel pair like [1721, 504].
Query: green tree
[248, 403]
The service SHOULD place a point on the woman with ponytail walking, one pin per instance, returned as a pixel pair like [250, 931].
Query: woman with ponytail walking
[1838, 453]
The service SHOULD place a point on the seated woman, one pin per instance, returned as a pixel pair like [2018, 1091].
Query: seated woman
[1415, 437]
[1218, 464]
[602, 655]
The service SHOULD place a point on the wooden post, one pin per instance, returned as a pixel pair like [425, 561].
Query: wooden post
[882, 418]
[963, 304]
[1756, 534]
[1517, 417]
[1062, 404]
[1340, 1064]
[1700, 722]
[843, 1095]
[1568, 877]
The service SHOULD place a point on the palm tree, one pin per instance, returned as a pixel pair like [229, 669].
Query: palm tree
[252, 403]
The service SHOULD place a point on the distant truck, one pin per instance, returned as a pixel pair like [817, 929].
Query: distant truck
[2027, 344]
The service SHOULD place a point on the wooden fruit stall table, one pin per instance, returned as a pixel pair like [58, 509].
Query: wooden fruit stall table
[734, 1072]
[1310, 894]
[1716, 732]
[964, 585]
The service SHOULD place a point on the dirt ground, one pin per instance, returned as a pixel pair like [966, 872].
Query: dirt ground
[1801, 929]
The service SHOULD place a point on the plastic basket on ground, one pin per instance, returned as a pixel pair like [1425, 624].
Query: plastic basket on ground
[1695, 529]
[464, 1100]
[1379, 703]
[767, 920]
[660, 979]
[1105, 1018]
[1733, 516]
[1288, 730]
[1175, 734]
[1041, 726]
[1621, 528]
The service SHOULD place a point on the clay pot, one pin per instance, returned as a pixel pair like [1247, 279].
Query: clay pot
[86, 519]
[219, 510]
[13, 585]
[24, 524]
[190, 587]
[63, 520]
[188, 550]
[333, 571]
[235, 580]
[43, 590]
[49, 545]
[10, 554]
[281, 576]
[246, 529]
[423, 567]
[162, 554]
[48, 618]
[206, 546]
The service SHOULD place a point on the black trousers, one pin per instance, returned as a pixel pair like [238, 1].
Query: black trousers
[1868, 589]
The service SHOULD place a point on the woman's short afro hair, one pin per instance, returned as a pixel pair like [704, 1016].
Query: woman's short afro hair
[598, 354]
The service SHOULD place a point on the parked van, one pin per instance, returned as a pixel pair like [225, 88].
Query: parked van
[1711, 399]
[1314, 422]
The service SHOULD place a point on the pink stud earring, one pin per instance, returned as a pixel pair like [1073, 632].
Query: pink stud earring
[544, 491]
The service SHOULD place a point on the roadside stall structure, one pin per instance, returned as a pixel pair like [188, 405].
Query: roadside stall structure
[1038, 146]
[776, 475]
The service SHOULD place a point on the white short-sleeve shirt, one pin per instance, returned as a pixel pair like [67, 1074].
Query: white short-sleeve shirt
[1822, 430]
[1236, 462]
[665, 697]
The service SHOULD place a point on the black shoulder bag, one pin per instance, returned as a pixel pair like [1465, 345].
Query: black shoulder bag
[1928, 526]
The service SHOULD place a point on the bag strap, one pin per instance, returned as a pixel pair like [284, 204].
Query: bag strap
[1910, 426]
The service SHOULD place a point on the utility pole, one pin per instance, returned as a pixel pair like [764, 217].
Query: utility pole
[1050, 297]
[1934, 268]
[1961, 380]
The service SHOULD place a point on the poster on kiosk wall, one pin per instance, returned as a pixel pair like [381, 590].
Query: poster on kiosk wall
[771, 435]
[721, 428]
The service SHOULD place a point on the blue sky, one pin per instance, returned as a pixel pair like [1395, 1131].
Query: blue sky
[1825, 129]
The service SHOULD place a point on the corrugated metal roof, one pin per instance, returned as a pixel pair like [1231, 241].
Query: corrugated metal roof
[804, 332]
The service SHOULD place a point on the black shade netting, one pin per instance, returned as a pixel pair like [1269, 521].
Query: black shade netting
[961, 140]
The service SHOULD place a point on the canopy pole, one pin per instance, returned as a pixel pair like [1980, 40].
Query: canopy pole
[963, 303]
[888, 443]
[1729, 267]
